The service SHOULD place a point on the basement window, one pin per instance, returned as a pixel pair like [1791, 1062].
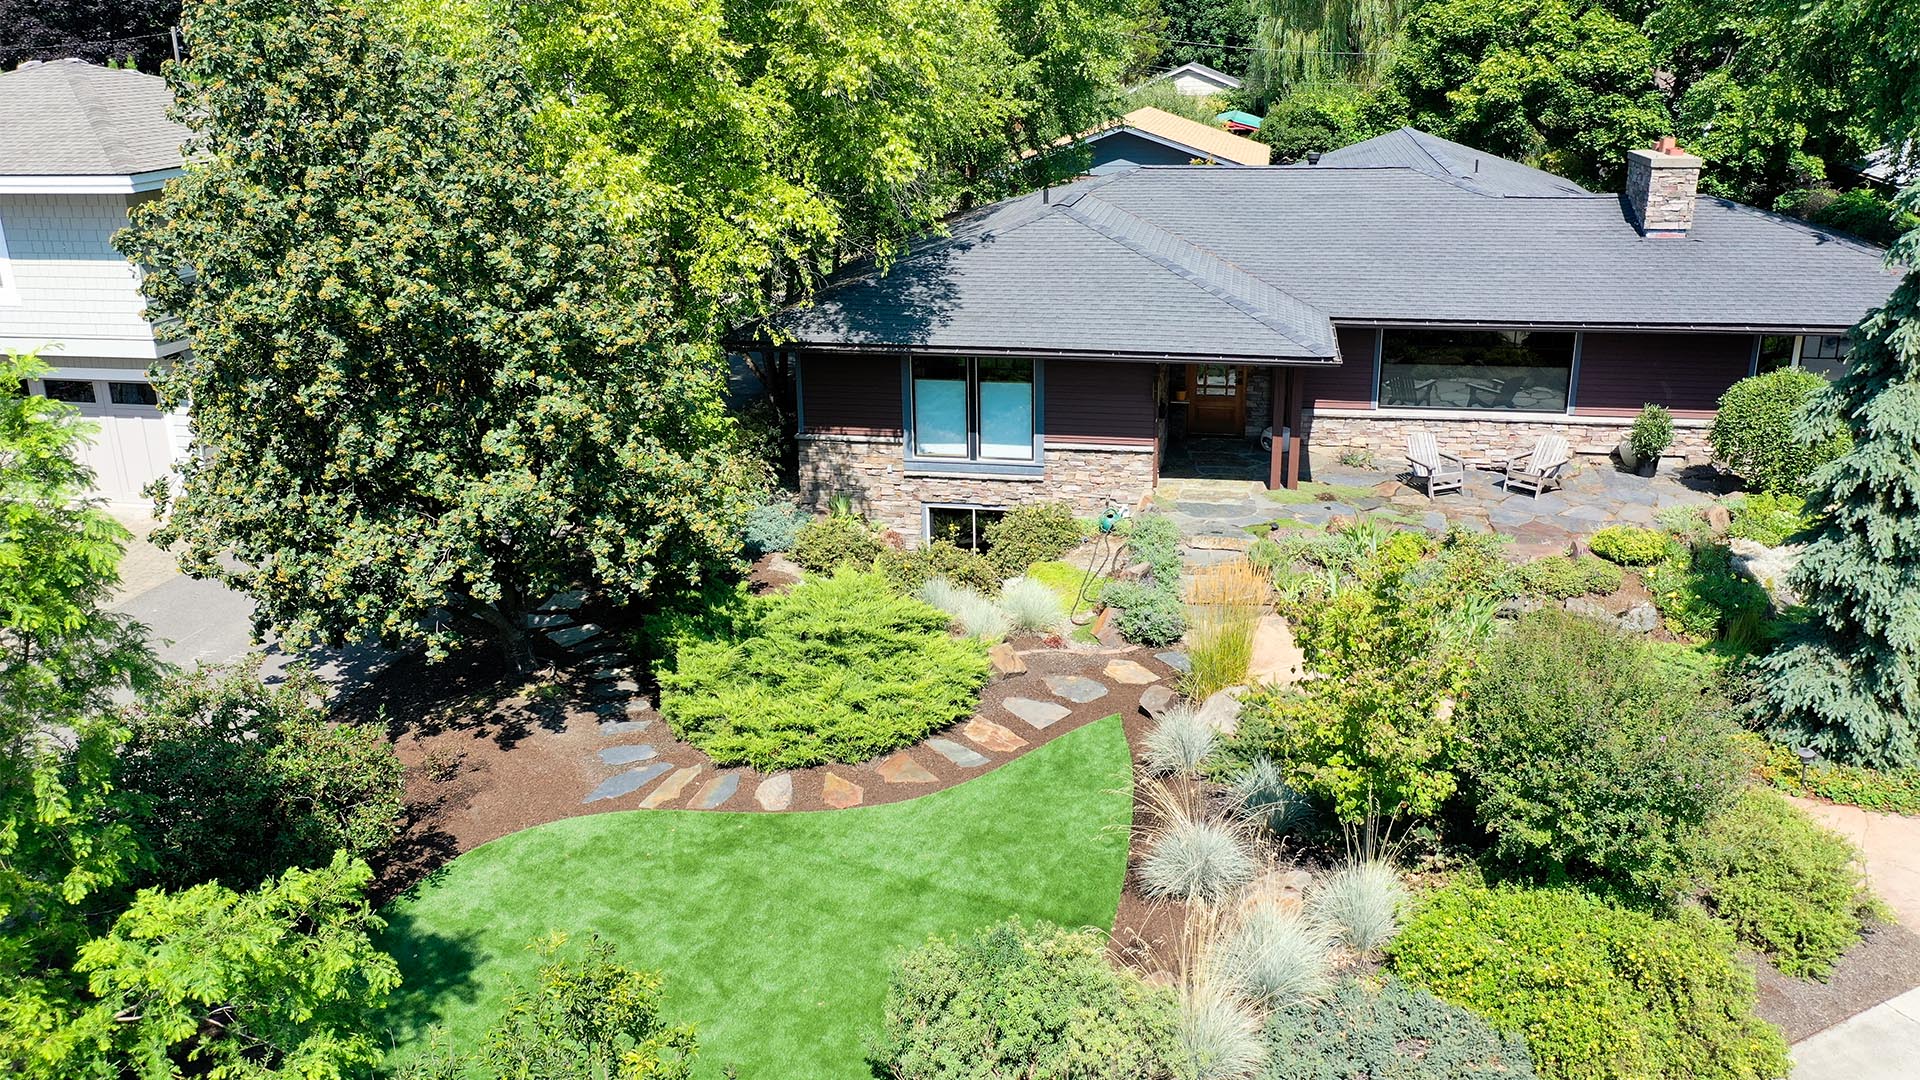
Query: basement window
[962, 526]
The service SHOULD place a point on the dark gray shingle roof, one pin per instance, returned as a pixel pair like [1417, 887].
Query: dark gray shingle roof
[1258, 262]
[1411, 148]
[72, 118]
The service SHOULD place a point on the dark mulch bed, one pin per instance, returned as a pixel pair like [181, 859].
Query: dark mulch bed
[489, 753]
[1882, 966]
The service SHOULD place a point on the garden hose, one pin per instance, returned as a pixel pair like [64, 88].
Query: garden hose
[1102, 562]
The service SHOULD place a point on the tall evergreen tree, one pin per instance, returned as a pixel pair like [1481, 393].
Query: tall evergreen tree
[1849, 683]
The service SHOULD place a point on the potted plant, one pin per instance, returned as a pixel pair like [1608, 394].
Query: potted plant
[1651, 435]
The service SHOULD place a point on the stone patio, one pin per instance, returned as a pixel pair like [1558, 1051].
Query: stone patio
[1221, 514]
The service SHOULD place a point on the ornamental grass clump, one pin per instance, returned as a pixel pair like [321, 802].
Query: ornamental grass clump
[1224, 604]
[1220, 1034]
[973, 612]
[1193, 858]
[1179, 744]
[1262, 794]
[1032, 607]
[1361, 902]
[1274, 957]
[839, 669]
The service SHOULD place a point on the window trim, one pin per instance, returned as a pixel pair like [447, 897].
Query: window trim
[9, 277]
[973, 463]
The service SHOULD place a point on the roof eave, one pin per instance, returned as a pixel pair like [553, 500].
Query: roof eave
[88, 184]
[1144, 356]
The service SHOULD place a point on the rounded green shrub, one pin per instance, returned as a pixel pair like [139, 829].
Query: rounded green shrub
[1397, 1031]
[909, 569]
[1630, 545]
[1025, 1001]
[836, 540]
[1562, 578]
[1030, 534]
[1585, 758]
[1600, 992]
[772, 526]
[1769, 518]
[1149, 615]
[1786, 885]
[1755, 431]
[840, 668]
[1652, 432]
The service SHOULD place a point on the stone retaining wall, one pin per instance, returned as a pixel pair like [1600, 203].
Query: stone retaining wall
[1331, 434]
[874, 472]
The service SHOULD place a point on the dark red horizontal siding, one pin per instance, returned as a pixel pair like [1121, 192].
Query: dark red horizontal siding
[1349, 386]
[1100, 401]
[850, 395]
[1687, 373]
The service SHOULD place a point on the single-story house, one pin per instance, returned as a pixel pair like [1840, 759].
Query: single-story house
[1054, 345]
[1196, 80]
[1150, 136]
[79, 145]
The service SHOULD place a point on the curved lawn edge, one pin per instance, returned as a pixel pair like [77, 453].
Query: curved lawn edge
[775, 932]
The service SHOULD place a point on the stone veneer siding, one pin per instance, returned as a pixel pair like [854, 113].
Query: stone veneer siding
[873, 470]
[1329, 433]
[1661, 189]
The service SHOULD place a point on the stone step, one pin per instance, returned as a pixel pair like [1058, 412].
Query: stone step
[1038, 714]
[626, 783]
[627, 755]
[716, 791]
[775, 792]
[1075, 688]
[901, 769]
[841, 793]
[954, 752]
[571, 636]
[992, 736]
[566, 601]
[670, 788]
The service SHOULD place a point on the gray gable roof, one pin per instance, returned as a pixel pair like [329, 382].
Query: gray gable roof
[1411, 148]
[72, 118]
[1258, 263]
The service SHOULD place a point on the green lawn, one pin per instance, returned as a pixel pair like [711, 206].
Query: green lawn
[775, 932]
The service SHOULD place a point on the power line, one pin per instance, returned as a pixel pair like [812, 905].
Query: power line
[1266, 48]
[35, 45]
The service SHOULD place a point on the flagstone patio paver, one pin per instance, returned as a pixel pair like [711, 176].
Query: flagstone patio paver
[1038, 713]
[901, 769]
[775, 792]
[840, 793]
[1129, 672]
[624, 727]
[627, 755]
[626, 783]
[962, 756]
[992, 736]
[670, 788]
[573, 635]
[717, 791]
[1075, 688]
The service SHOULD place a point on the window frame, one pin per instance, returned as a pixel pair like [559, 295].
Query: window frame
[973, 461]
[1380, 379]
[975, 509]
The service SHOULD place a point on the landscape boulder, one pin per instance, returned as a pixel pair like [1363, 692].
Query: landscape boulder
[1768, 567]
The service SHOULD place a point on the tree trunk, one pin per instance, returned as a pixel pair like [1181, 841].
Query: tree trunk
[514, 643]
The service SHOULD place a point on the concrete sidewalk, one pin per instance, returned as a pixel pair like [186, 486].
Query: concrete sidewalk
[1882, 1043]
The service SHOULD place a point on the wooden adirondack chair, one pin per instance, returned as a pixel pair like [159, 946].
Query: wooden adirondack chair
[1441, 471]
[1539, 470]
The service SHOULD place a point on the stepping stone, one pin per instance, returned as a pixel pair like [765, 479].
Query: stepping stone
[840, 793]
[1006, 661]
[1075, 688]
[1038, 713]
[775, 792]
[611, 674]
[624, 727]
[1156, 700]
[1176, 660]
[547, 620]
[627, 755]
[992, 736]
[901, 769]
[717, 790]
[670, 788]
[626, 783]
[621, 689]
[954, 752]
[574, 635]
[566, 601]
[1127, 671]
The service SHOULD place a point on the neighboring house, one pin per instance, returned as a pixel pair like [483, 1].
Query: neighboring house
[1053, 345]
[1237, 122]
[79, 145]
[1155, 137]
[1197, 80]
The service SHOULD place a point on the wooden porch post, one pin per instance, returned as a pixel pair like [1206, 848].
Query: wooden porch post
[1276, 462]
[1296, 390]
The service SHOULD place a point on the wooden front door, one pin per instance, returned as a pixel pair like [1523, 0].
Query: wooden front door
[1216, 399]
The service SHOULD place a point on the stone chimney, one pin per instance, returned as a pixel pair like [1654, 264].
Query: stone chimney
[1661, 186]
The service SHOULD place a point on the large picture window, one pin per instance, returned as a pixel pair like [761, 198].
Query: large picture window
[973, 410]
[1509, 370]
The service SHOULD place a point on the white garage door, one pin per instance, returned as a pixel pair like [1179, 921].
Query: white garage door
[133, 443]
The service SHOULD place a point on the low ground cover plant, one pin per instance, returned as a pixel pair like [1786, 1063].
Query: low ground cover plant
[1701, 598]
[1562, 578]
[1070, 584]
[1600, 992]
[1787, 886]
[1032, 533]
[1018, 1000]
[1586, 759]
[1892, 791]
[1150, 611]
[1768, 518]
[836, 539]
[841, 668]
[1755, 431]
[1392, 1030]
[908, 569]
[1630, 545]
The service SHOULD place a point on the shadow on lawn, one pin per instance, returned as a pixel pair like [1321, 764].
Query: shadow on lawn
[436, 972]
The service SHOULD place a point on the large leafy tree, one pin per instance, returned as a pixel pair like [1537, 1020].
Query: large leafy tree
[431, 384]
[1320, 44]
[1216, 33]
[1565, 85]
[1849, 683]
[102, 31]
